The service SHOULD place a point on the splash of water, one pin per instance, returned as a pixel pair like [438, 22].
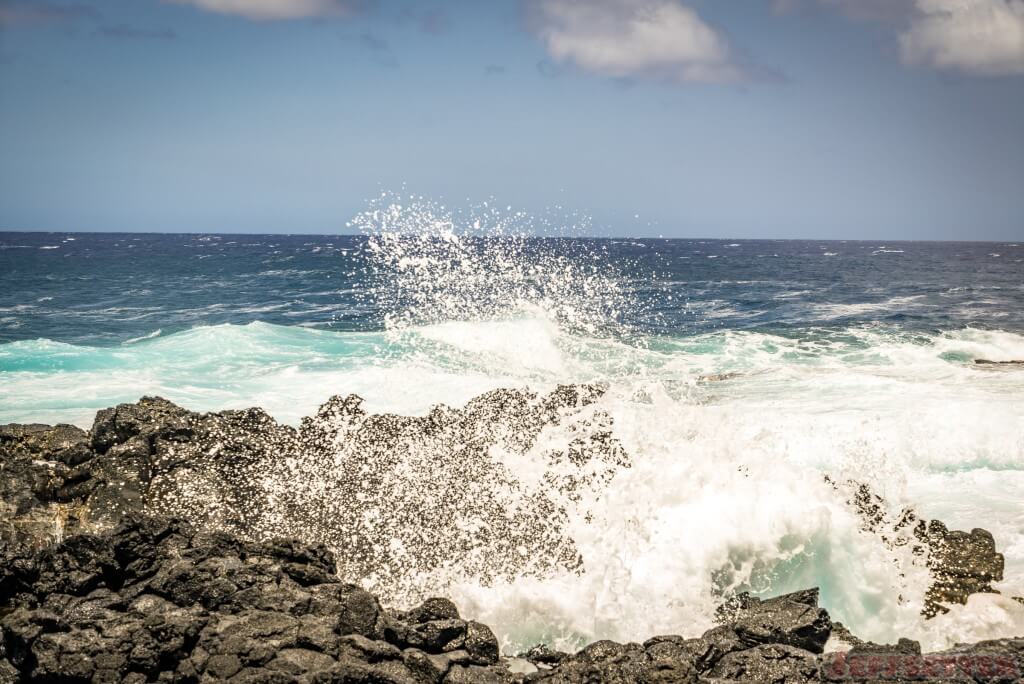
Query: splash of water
[428, 264]
[716, 500]
[417, 504]
[697, 471]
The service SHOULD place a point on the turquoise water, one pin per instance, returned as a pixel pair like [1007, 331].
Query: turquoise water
[739, 373]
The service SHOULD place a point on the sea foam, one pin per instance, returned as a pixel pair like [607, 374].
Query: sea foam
[730, 434]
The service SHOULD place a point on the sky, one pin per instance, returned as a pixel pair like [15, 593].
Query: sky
[847, 119]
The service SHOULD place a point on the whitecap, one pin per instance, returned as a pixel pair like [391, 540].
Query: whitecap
[148, 336]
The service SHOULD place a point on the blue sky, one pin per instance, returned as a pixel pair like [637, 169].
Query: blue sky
[889, 119]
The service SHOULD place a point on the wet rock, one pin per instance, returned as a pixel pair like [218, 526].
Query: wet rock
[871, 660]
[431, 668]
[995, 660]
[40, 466]
[76, 567]
[902, 647]
[158, 458]
[362, 648]
[8, 673]
[348, 671]
[768, 663]
[156, 600]
[144, 597]
[793, 619]
[841, 638]
[705, 651]
[475, 674]
[149, 418]
[355, 611]
[481, 644]
[542, 654]
[601, 661]
[437, 636]
[673, 659]
[443, 467]
[961, 563]
[150, 457]
[236, 472]
[432, 609]
[66, 444]
[300, 661]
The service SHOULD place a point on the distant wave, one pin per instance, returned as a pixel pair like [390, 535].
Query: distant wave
[728, 433]
[149, 336]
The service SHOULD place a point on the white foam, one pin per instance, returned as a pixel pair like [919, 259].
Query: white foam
[730, 434]
[726, 488]
[148, 336]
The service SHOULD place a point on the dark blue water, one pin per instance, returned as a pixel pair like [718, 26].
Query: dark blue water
[738, 373]
[104, 289]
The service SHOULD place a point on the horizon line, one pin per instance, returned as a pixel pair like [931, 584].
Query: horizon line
[539, 236]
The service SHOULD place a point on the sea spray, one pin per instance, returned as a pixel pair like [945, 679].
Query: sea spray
[715, 503]
[428, 264]
[727, 428]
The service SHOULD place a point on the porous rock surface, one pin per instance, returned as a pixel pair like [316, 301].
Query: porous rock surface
[155, 601]
[101, 580]
[328, 480]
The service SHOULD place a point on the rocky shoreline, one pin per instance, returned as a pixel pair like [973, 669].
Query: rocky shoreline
[113, 570]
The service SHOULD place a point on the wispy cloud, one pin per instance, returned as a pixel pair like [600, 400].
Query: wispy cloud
[14, 12]
[982, 37]
[274, 10]
[494, 70]
[655, 39]
[128, 32]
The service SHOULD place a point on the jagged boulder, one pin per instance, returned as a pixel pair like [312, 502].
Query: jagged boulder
[793, 619]
[158, 458]
[961, 563]
[40, 468]
[146, 597]
[768, 663]
[150, 457]
[155, 599]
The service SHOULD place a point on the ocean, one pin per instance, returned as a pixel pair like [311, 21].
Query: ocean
[752, 382]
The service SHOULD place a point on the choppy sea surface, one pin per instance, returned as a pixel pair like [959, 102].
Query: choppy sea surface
[739, 373]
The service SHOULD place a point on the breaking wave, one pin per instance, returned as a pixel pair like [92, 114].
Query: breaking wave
[688, 466]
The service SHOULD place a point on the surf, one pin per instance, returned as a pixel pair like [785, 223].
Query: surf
[743, 445]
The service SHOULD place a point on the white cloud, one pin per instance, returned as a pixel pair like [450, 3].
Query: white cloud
[973, 36]
[271, 10]
[661, 39]
[979, 37]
